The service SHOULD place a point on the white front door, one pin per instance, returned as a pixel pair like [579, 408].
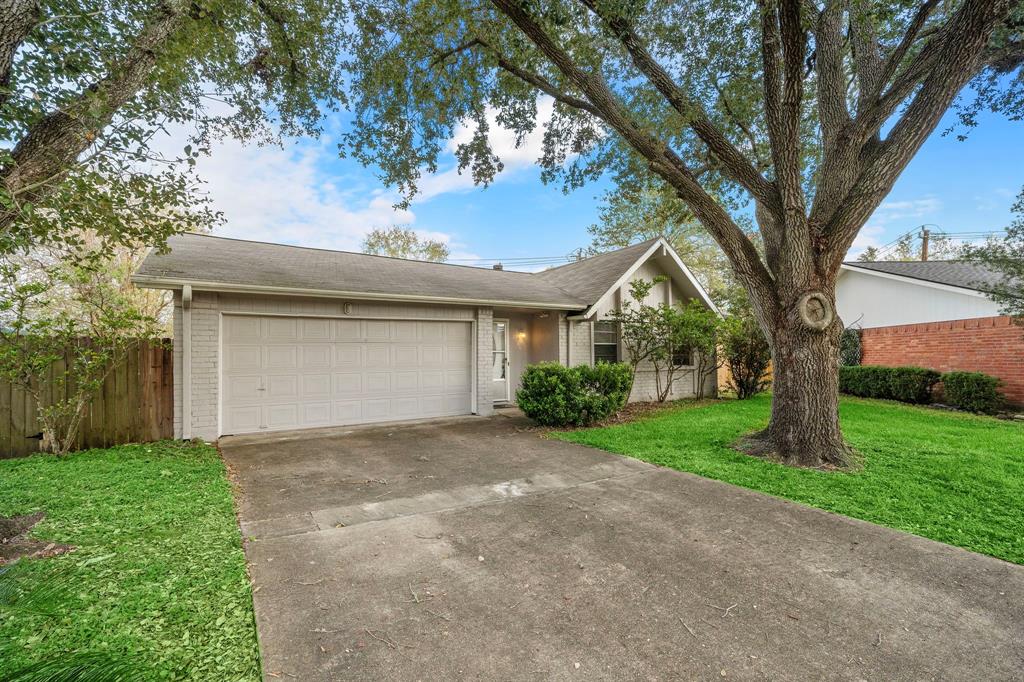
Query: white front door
[499, 363]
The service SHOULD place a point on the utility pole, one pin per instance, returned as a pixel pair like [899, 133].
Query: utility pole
[925, 233]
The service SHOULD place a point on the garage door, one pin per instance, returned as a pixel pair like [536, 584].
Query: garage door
[295, 372]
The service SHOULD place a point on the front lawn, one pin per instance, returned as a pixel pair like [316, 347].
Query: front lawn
[157, 585]
[951, 477]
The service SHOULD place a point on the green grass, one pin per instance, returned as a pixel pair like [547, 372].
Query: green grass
[158, 581]
[951, 477]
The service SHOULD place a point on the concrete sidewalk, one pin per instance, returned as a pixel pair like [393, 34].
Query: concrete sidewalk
[476, 549]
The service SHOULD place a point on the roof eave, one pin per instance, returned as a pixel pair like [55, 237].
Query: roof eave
[969, 291]
[660, 243]
[173, 283]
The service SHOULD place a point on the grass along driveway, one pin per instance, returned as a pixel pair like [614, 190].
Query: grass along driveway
[157, 584]
[950, 477]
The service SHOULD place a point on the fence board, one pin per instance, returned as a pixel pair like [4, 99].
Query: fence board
[135, 404]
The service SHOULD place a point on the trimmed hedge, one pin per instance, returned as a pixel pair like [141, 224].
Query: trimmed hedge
[972, 391]
[554, 395]
[906, 384]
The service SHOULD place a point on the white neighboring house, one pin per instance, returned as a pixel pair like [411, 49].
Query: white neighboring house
[933, 314]
[889, 293]
[269, 337]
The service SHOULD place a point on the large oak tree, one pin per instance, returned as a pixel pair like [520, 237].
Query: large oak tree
[805, 111]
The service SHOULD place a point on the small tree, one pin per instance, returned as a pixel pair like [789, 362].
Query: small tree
[850, 347]
[747, 355]
[59, 355]
[401, 242]
[639, 326]
[698, 338]
[671, 338]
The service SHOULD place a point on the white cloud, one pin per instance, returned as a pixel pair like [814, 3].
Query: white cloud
[287, 195]
[892, 211]
[293, 194]
[889, 214]
[503, 143]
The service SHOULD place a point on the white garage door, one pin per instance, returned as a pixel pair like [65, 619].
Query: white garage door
[297, 372]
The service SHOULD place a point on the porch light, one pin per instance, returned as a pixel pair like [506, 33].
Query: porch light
[521, 336]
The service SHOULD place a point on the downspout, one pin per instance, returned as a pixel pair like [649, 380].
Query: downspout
[568, 342]
[186, 362]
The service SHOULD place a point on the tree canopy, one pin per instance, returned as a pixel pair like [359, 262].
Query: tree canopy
[86, 86]
[402, 242]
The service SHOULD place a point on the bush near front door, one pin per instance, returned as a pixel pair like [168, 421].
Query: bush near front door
[554, 395]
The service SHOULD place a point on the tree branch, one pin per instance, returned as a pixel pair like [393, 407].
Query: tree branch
[663, 161]
[897, 56]
[17, 19]
[867, 55]
[737, 166]
[278, 20]
[832, 89]
[958, 57]
[528, 77]
[53, 144]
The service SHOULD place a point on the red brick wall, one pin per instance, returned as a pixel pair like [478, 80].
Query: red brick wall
[993, 345]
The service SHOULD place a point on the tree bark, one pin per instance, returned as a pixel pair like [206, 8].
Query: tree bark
[17, 19]
[53, 145]
[804, 425]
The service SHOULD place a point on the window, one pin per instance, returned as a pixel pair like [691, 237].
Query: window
[606, 342]
[681, 357]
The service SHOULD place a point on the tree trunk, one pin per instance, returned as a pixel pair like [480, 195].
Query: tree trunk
[804, 426]
[17, 19]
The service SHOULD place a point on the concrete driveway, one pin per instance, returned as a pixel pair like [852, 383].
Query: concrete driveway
[475, 549]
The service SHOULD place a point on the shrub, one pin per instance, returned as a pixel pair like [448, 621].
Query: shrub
[866, 381]
[554, 395]
[605, 390]
[912, 384]
[972, 391]
[849, 347]
[747, 355]
[906, 384]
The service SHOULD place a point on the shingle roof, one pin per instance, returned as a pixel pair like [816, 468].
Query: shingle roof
[953, 273]
[590, 278]
[201, 258]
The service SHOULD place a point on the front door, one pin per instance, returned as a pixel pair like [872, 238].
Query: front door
[499, 362]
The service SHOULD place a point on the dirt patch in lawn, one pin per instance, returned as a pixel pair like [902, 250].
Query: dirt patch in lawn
[15, 545]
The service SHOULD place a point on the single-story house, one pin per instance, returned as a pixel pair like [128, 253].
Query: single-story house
[934, 314]
[272, 337]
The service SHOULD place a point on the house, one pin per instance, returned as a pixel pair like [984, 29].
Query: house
[272, 337]
[934, 314]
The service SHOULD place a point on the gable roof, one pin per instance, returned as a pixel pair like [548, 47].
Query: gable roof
[961, 274]
[590, 278]
[221, 264]
[234, 264]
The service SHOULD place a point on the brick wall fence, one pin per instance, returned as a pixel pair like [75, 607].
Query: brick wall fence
[993, 345]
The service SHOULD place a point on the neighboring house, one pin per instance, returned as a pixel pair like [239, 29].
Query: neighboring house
[933, 314]
[271, 337]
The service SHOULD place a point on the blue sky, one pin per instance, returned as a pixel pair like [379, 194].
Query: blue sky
[304, 194]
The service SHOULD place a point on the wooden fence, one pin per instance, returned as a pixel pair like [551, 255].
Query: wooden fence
[136, 404]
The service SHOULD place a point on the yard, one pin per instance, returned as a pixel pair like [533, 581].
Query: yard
[157, 583]
[951, 477]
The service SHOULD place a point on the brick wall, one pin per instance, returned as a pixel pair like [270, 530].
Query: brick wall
[993, 345]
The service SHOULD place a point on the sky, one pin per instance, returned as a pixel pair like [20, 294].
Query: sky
[302, 193]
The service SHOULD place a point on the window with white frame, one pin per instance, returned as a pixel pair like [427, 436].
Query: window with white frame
[606, 341]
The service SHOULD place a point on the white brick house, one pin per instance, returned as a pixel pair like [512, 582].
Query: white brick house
[271, 337]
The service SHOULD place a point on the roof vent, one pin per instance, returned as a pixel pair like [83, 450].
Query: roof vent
[498, 266]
